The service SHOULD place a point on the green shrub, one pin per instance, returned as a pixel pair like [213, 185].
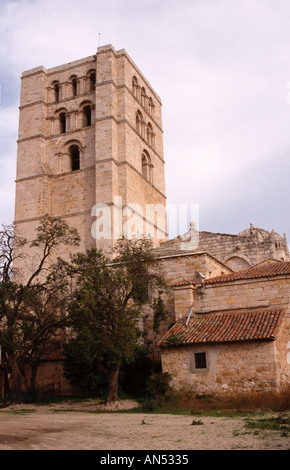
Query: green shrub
[158, 385]
[150, 404]
[134, 376]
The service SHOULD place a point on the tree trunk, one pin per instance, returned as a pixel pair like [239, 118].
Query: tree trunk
[113, 383]
[14, 380]
[32, 389]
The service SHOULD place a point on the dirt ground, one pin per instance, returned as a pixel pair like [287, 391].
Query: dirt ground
[74, 425]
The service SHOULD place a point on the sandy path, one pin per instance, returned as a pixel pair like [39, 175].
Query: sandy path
[51, 428]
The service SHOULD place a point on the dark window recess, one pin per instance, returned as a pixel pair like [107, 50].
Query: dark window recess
[75, 158]
[200, 360]
[62, 119]
[74, 86]
[56, 92]
[87, 116]
[92, 81]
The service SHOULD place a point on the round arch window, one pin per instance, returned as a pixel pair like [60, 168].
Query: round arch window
[75, 157]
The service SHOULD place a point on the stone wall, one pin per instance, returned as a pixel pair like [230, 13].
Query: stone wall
[263, 293]
[249, 247]
[245, 249]
[178, 300]
[234, 367]
[110, 147]
[51, 381]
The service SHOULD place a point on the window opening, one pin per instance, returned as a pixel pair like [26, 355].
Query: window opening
[134, 86]
[138, 122]
[144, 166]
[56, 92]
[147, 167]
[92, 81]
[74, 86]
[62, 120]
[87, 113]
[143, 96]
[75, 158]
[150, 134]
[200, 360]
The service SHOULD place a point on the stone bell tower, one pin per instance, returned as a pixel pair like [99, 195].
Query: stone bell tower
[90, 150]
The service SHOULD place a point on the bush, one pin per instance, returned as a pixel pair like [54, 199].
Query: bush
[82, 372]
[134, 376]
[150, 404]
[158, 385]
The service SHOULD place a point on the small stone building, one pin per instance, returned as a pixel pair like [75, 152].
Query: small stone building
[235, 334]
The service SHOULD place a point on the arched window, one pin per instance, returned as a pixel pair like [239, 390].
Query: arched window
[134, 86]
[139, 122]
[87, 116]
[62, 123]
[151, 108]
[74, 83]
[144, 166]
[92, 81]
[150, 134]
[143, 96]
[147, 167]
[57, 92]
[74, 152]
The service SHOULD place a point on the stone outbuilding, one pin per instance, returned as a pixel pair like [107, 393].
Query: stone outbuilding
[235, 335]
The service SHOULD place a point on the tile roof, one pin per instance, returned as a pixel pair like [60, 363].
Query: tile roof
[264, 270]
[225, 328]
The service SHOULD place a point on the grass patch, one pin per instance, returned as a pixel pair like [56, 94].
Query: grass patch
[236, 404]
[18, 412]
[56, 401]
[185, 402]
[196, 423]
[271, 423]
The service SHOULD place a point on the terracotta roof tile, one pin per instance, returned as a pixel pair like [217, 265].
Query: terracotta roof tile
[225, 328]
[272, 269]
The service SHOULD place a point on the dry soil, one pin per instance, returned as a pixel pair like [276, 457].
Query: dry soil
[72, 425]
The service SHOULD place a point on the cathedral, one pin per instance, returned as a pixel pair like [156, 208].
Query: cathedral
[90, 150]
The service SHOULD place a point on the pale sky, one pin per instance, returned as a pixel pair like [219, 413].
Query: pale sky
[222, 70]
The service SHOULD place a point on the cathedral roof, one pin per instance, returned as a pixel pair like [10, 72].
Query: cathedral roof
[260, 270]
[225, 328]
[260, 234]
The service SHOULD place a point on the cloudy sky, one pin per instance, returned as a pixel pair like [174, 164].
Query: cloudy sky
[222, 70]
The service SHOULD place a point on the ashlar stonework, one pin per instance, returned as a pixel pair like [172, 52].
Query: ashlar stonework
[91, 139]
[239, 325]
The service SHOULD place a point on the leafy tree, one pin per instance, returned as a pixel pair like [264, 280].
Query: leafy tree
[32, 305]
[159, 315]
[107, 304]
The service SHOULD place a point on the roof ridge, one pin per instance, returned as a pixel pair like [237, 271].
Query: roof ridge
[260, 270]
